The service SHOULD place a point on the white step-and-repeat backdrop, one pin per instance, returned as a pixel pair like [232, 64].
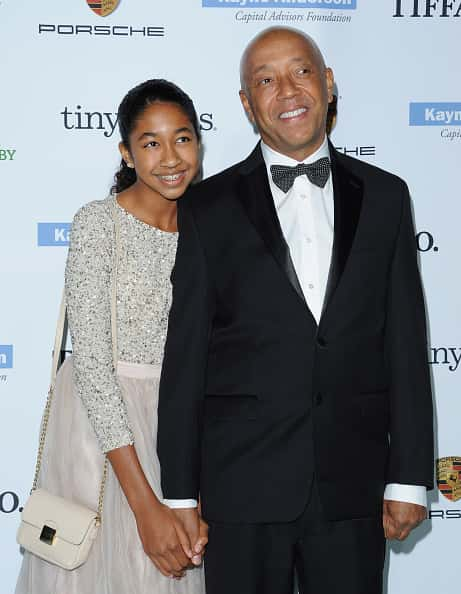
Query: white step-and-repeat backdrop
[65, 65]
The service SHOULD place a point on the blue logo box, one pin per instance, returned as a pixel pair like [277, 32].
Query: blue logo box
[6, 356]
[435, 114]
[338, 4]
[53, 234]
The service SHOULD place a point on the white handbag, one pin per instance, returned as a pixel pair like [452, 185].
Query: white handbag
[56, 529]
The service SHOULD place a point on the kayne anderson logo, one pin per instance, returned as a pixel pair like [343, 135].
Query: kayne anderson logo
[246, 16]
[339, 4]
[427, 8]
[106, 121]
[6, 356]
[53, 234]
[103, 7]
[446, 115]
[435, 114]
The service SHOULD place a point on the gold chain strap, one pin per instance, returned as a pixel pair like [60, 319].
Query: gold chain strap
[57, 349]
[41, 446]
[101, 490]
[41, 443]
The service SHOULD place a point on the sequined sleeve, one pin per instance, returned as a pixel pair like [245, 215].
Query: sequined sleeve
[88, 295]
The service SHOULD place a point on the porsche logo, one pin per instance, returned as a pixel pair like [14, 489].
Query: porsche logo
[449, 477]
[103, 7]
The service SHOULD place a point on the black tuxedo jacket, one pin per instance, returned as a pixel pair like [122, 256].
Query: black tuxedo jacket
[255, 398]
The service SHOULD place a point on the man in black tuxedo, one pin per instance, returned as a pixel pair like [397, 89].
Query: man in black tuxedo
[295, 397]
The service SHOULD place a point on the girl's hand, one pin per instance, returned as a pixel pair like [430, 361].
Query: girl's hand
[162, 534]
[163, 538]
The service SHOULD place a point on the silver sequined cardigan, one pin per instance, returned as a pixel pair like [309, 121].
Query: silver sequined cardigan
[145, 262]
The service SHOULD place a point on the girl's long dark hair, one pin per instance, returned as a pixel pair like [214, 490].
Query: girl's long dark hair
[132, 107]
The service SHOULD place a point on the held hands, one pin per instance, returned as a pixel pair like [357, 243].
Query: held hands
[400, 518]
[164, 539]
[197, 532]
[173, 541]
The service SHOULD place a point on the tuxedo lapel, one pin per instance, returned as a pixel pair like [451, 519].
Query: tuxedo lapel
[348, 195]
[256, 198]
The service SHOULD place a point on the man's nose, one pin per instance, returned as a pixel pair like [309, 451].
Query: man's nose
[287, 88]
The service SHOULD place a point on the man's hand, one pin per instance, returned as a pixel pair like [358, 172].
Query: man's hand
[197, 531]
[400, 518]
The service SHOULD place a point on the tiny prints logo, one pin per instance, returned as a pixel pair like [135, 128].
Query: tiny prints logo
[106, 121]
[6, 356]
[340, 4]
[449, 356]
[435, 114]
[53, 234]
[206, 122]
[103, 7]
[7, 154]
[449, 477]
[427, 8]
[90, 120]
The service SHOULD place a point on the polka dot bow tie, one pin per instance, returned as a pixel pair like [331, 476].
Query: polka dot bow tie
[317, 173]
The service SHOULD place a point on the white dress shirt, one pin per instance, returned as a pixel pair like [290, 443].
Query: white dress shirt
[306, 215]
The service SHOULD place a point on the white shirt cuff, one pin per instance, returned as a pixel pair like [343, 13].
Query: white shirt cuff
[406, 493]
[180, 503]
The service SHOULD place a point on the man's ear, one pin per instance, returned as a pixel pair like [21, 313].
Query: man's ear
[330, 83]
[246, 105]
[125, 154]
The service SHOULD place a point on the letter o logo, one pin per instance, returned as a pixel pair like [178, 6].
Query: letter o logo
[425, 242]
[9, 502]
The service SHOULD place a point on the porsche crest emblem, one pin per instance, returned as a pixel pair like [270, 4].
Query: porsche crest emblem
[449, 477]
[103, 7]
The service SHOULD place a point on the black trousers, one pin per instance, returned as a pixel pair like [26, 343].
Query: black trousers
[344, 557]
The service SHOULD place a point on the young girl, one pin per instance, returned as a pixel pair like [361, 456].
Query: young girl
[125, 243]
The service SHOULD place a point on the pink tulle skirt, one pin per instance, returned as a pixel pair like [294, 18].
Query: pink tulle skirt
[72, 467]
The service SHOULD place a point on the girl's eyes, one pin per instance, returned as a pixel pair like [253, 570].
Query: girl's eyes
[180, 140]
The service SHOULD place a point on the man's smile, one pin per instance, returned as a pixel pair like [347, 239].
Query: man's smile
[294, 113]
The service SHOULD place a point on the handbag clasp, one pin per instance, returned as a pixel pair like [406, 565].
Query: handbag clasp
[47, 535]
